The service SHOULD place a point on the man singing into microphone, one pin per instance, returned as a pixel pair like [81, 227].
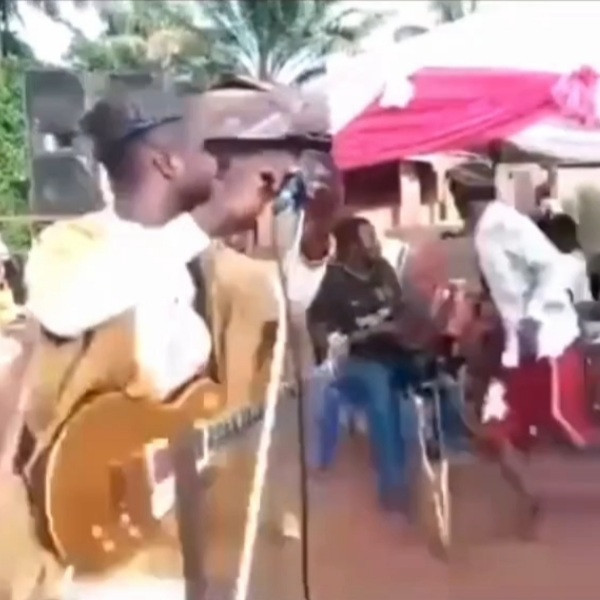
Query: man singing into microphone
[123, 269]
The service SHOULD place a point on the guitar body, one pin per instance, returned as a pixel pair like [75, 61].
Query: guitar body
[73, 484]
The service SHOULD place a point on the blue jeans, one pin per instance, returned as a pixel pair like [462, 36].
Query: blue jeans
[378, 388]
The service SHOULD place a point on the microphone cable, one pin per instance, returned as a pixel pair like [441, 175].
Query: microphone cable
[292, 199]
[290, 202]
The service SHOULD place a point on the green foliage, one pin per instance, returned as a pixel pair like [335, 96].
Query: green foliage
[13, 166]
[149, 35]
[280, 39]
[119, 53]
[267, 39]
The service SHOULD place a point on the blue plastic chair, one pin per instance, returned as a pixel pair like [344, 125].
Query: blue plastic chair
[394, 464]
[344, 393]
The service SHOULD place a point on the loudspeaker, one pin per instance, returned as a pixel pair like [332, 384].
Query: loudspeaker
[63, 184]
[63, 172]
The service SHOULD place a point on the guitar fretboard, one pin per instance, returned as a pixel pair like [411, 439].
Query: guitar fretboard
[231, 426]
[205, 440]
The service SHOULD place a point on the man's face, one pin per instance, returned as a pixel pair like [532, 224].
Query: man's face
[369, 243]
[324, 206]
[184, 165]
[196, 176]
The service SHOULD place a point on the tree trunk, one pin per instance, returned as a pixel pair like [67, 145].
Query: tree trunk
[4, 15]
[263, 71]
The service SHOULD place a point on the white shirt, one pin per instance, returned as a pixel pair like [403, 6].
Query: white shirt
[522, 270]
[304, 277]
[573, 268]
[137, 268]
[303, 281]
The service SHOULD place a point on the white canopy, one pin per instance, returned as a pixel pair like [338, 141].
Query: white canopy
[549, 37]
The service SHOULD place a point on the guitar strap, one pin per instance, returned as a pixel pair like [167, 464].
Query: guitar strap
[26, 455]
[196, 268]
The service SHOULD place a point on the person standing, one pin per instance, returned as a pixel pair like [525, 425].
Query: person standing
[124, 266]
[542, 368]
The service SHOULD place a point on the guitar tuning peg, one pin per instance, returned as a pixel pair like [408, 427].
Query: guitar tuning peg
[108, 546]
[134, 532]
[125, 519]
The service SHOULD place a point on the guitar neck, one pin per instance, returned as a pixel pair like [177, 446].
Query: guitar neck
[207, 439]
[231, 425]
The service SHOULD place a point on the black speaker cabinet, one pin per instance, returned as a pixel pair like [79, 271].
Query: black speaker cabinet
[64, 174]
[64, 184]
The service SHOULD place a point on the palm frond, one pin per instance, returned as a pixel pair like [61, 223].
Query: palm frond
[310, 74]
[453, 10]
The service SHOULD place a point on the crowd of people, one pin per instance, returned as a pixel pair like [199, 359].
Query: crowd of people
[129, 264]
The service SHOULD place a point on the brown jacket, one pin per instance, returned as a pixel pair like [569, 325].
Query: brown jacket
[241, 313]
[242, 317]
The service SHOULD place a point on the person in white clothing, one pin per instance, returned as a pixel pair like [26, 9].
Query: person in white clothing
[542, 367]
[167, 202]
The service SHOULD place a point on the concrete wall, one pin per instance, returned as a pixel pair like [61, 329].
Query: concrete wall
[419, 196]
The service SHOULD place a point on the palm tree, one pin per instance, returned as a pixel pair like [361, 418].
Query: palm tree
[453, 10]
[150, 34]
[408, 31]
[279, 40]
[9, 10]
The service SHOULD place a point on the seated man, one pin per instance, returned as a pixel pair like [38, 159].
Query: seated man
[360, 299]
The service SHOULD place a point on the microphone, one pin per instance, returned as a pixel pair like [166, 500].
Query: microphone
[288, 219]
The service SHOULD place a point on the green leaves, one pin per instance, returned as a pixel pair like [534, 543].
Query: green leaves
[13, 144]
[279, 40]
[149, 35]
[453, 10]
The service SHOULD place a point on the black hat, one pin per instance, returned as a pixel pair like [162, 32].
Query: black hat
[472, 174]
[128, 116]
[476, 179]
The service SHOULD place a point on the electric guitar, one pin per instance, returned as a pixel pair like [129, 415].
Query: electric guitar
[106, 482]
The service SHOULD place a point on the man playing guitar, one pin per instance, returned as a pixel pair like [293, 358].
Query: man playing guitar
[125, 262]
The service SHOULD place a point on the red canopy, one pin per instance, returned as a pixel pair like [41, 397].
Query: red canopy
[451, 109]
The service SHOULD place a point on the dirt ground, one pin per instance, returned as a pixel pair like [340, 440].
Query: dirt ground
[359, 552]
